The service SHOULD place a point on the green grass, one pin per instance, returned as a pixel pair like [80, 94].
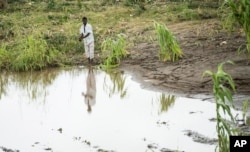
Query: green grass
[113, 50]
[237, 14]
[170, 49]
[58, 21]
[5, 58]
[34, 53]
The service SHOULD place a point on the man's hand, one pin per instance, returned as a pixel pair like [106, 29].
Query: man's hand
[81, 37]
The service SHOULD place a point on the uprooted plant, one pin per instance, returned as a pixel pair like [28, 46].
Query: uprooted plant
[170, 49]
[113, 50]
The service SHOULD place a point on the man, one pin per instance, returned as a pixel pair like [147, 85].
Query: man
[86, 33]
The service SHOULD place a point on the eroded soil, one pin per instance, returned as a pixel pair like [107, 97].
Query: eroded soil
[205, 45]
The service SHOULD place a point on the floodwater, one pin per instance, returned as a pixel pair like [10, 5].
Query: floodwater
[50, 111]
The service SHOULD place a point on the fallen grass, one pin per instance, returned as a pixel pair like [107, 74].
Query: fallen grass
[113, 50]
[170, 49]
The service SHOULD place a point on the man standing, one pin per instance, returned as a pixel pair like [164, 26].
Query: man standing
[86, 33]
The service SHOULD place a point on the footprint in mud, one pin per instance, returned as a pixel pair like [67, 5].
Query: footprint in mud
[103, 150]
[83, 141]
[59, 130]
[44, 147]
[168, 150]
[200, 138]
[8, 150]
[48, 149]
[155, 147]
[162, 123]
[193, 112]
[89, 144]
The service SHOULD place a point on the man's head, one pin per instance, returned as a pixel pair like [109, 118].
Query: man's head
[84, 20]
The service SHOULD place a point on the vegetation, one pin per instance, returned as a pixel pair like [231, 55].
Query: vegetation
[113, 50]
[240, 13]
[38, 34]
[222, 86]
[170, 49]
[54, 26]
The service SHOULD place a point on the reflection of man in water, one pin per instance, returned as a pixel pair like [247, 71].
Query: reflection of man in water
[90, 95]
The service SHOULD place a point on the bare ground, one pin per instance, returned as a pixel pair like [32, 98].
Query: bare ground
[205, 45]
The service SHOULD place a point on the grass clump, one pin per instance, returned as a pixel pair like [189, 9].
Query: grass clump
[113, 50]
[5, 58]
[34, 54]
[170, 49]
[239, 13]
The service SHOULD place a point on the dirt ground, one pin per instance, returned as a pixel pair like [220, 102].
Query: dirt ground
[205, 45]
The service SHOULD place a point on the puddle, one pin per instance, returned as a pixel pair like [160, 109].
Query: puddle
[46, 111]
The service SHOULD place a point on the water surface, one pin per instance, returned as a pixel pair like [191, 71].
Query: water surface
[45, 111]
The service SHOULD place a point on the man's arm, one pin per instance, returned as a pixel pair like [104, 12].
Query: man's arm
[86, 35]
[83, 36]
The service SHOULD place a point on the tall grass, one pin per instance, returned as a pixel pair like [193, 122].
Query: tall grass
[240, 11]
[223, 85]
[170, 49]
[113, 50]
[5, 58]
[34, 54]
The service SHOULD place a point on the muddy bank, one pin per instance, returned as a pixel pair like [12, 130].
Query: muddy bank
[205, 45]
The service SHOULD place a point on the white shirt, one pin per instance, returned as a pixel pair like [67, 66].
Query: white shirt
[88, 29]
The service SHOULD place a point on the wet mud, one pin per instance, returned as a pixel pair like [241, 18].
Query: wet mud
[205, 45]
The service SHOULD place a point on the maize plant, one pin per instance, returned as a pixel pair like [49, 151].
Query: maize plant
[170, 49]
[241, 13]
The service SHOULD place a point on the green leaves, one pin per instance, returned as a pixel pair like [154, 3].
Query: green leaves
[170, 49]
[34, 54]
[113, 50]
[241, 12]
[223, 84]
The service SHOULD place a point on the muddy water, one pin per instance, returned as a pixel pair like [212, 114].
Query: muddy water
[47, 111]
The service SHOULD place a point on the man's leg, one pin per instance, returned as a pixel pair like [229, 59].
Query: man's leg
[87, 53]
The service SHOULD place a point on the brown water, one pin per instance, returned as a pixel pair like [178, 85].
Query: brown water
[45, 111]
